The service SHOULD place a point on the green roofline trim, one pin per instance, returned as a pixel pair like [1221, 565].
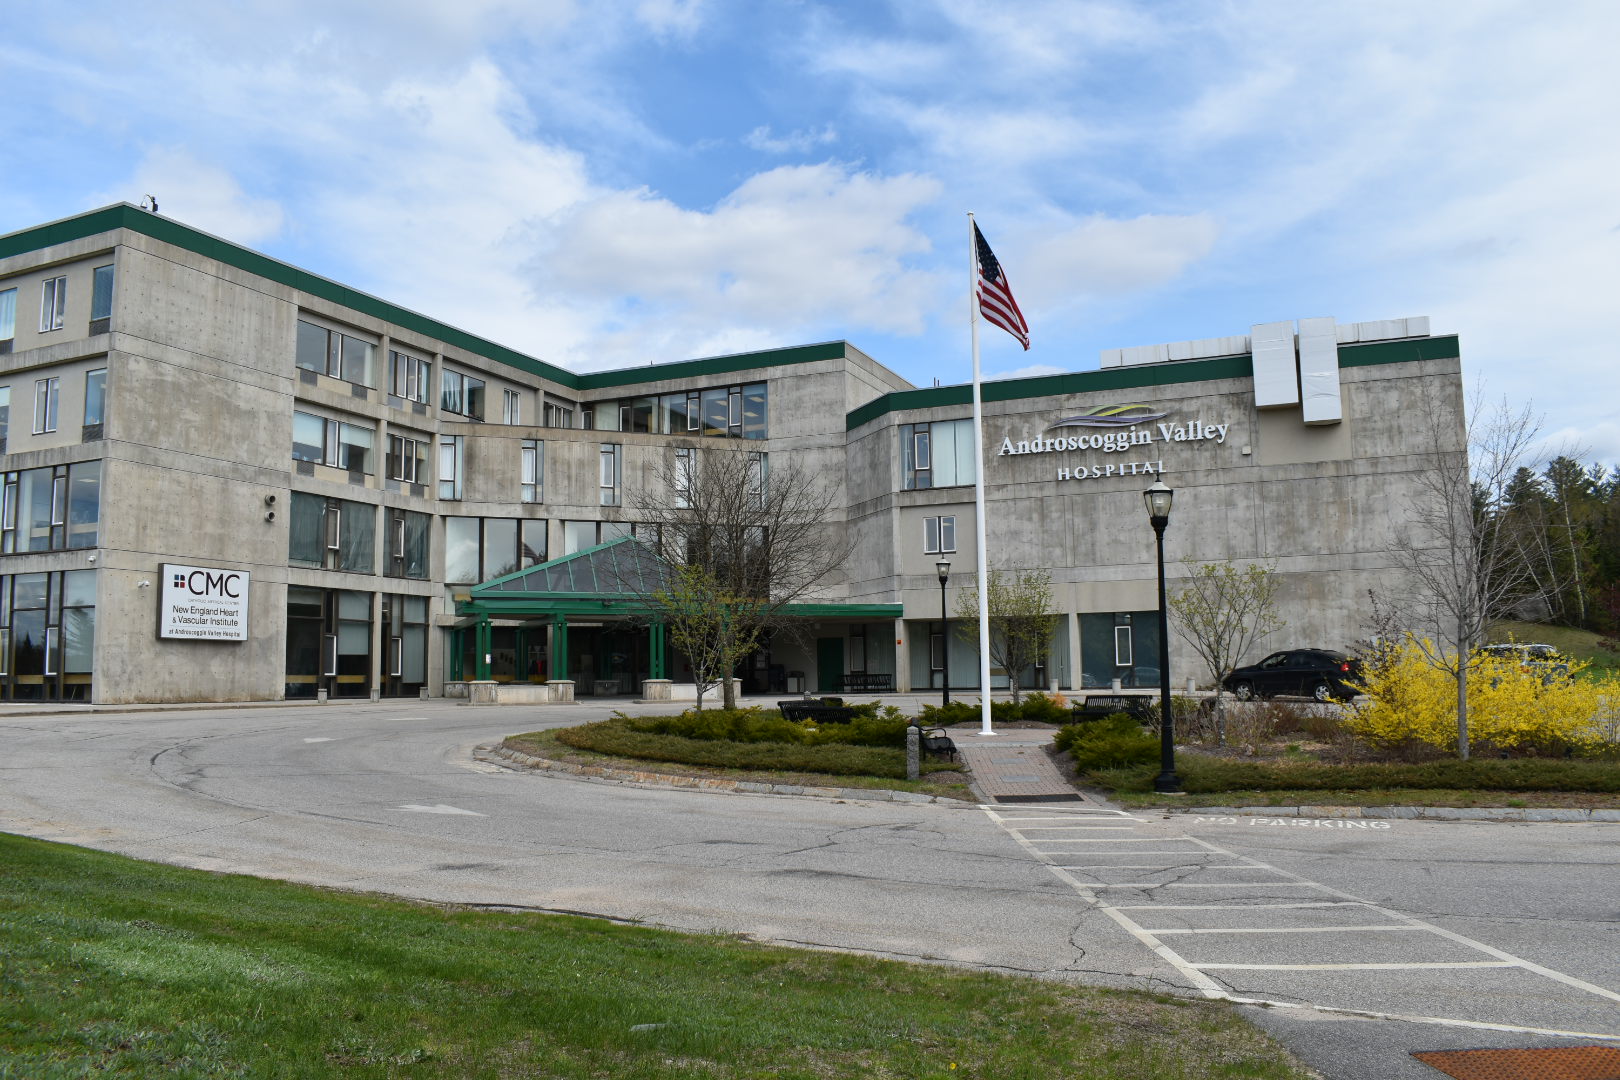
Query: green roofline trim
[1127, 378]
[169, 231]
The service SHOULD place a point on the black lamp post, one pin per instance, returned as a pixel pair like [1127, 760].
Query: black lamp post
[944, 568]
[1158, 499]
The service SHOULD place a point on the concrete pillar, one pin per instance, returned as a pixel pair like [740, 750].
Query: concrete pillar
[902, 657]
[484, 643]
[1075, 679]
[656, 690]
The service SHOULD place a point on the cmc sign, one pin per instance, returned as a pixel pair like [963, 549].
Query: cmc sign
[203, 603]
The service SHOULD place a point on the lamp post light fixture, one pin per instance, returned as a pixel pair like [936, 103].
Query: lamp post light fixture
[1158, 499]
[944, 568]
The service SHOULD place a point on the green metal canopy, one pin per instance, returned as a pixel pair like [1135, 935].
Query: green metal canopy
[615, 578]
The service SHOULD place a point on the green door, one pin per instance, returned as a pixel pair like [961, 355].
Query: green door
[829, 664]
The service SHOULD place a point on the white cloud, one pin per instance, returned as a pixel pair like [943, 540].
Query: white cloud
[1102, 255]
[797, 142]
[202, 195]
[671, 18]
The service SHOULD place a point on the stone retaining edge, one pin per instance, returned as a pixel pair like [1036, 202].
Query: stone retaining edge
[706, 783]
[1418, 813]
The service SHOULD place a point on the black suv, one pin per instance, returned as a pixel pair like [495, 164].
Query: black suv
[1318, 673]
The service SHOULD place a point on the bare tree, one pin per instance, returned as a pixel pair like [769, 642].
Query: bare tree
[745, 541]
[1021, 620]
[1466, 559]
[1223, 612]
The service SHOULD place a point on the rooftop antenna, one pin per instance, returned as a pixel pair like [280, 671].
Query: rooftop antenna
[150, 203]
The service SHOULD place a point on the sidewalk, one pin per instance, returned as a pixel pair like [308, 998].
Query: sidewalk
[1012, 766]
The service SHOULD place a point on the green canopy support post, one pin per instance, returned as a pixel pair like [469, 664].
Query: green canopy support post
[456, 647]
[656, 665]
[559, 648]
[484, 639]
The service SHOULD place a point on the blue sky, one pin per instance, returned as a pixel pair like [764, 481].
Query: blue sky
[610, 184]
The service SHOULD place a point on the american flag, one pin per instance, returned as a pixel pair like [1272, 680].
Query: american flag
[996, 301]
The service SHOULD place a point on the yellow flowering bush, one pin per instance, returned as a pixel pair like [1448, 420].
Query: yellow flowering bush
[1514, 707]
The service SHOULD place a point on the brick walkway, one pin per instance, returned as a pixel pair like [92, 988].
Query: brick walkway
[1013, 766]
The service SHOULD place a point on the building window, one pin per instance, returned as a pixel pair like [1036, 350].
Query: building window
[8, 319]
[857, 650]
[46, 392]
[482, 549]
[53, 304]
[1122, 647]
[95, 403]
[450, 466]
[511, 407]
[579, 535]
[939, 535]
[759, 471]
[534, 470]
[333, 534]
[47, 635]
[5, 416]
[51, 509]
[332, 442]
[554, 414]
[938, 454]
[408, 377]
[737, 412]
[612, 470]
[685, 475]
[329, 352]
[407, 551]
[101, 293]
[461, 394]
[407, 459]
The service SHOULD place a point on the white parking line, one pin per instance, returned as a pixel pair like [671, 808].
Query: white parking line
[1195, 973]
[1283, 929]
[1356, 967]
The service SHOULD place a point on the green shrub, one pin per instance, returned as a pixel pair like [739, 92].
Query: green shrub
[1035, 706]
[1113, 742]
[957, 712]
[1039, 707]
[626, 737]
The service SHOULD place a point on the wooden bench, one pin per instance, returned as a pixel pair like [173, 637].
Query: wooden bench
[816, 711]
[868, 683]
[1097, 706]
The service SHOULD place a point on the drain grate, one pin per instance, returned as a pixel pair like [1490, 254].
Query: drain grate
[1556, 1063]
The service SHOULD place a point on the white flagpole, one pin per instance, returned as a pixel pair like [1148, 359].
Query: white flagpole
[978, 490]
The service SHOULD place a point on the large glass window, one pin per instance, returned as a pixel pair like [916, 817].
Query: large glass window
[407, 459]
[556, 414]
[637, 414]
[101, 295]
[408, 377]
[53, 304]
[511, 407]
[332, 442]
[47, 635]
[938, 454]
[461, 394]
[51, 509]
[579, 535]
[480, 549]
[330, 352]
[5, 416]
[334, 534]
[407, 544]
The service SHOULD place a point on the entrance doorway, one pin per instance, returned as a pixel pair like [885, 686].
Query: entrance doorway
[829, 664]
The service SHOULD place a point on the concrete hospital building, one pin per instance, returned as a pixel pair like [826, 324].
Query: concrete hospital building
[226, 478]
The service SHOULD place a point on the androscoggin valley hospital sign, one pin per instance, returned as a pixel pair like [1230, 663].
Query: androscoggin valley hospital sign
[1122, 428]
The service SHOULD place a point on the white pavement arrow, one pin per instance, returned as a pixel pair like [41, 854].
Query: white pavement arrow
[439, 809]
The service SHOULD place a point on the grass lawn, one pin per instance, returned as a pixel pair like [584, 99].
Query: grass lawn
[1577, 644]
[950, 784]
[115, 968]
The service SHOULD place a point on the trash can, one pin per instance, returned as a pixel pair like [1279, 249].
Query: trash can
[795, 682]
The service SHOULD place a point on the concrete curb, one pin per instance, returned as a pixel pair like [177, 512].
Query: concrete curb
[703, 783]
[1414, 813]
